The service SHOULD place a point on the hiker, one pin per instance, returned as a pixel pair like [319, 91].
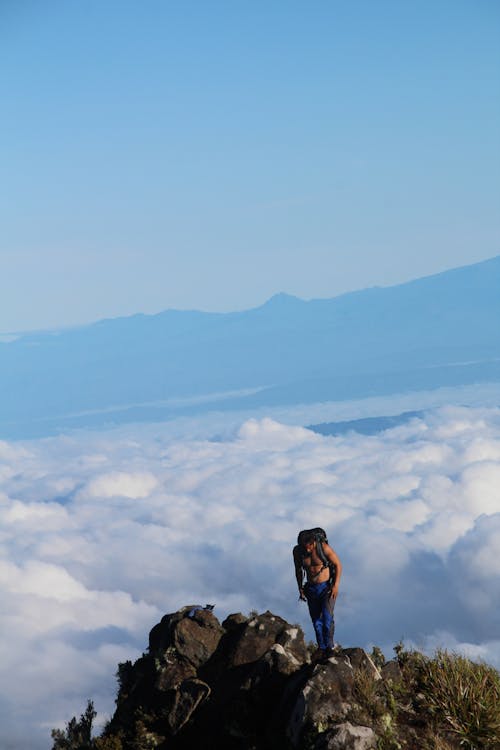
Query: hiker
[322, 567]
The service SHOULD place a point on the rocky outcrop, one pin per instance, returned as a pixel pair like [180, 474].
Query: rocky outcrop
[245, 684]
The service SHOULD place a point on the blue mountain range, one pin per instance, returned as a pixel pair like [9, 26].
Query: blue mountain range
[436, 331]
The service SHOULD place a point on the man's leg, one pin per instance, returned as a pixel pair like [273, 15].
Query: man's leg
[327, 619]
[315, 603]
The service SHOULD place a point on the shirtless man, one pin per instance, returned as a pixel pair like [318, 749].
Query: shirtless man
[320, 591]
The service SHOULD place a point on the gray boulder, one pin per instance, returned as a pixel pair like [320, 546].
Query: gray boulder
[324, 699]
[196, 638]
[260, 634]
[347, 736]
[391, 671]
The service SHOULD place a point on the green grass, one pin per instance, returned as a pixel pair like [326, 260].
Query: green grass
[464, 698]
[443, 702]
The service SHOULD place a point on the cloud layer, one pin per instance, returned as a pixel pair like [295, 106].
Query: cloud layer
[103, 533]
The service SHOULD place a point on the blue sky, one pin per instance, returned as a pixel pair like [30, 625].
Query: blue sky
[208, 155]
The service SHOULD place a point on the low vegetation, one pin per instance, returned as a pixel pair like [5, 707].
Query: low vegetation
[443, 702]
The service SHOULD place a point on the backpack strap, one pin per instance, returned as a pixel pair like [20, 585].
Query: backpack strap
[321, 554]
[326, 562]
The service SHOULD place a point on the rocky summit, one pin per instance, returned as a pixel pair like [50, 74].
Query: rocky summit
[246, 683]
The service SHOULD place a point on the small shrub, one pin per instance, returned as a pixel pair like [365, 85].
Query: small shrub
[387, 734]
[144, 738]
[77, 735]
[124, 675]
[376, 706]
[112, 742]
[377, 657]
[367, 694]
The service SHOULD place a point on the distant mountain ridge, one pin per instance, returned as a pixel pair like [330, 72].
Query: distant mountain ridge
[439, 330]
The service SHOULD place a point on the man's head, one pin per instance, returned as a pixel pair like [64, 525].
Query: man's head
[306, 540]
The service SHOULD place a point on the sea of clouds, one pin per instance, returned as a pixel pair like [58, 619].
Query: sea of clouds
[103, 533]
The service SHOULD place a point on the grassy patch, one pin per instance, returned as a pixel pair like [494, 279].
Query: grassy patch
[463, 697]
[443, 702]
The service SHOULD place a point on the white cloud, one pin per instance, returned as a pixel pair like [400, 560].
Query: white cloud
[488, 651]
[38, 516]
[102, 533]
[481, 483]
[122, 484]
[41, 580]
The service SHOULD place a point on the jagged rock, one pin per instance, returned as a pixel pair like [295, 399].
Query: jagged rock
[392, 671]
[172, 672]
[247, 684]
[324, 700]
[259, 634]
[282, 660]
[248, 672]
[195, 638]
[361, 660]
[187, 699]
[347, 736]
[160, 637]
[232, 622]
[181, 643]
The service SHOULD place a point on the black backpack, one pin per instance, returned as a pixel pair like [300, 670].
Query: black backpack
[320, 537]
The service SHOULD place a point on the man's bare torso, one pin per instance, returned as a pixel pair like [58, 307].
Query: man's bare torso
[315, 570]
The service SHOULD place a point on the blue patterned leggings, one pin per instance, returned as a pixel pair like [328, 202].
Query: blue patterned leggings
[321, 611]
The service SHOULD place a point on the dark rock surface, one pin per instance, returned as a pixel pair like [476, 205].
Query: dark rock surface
[245, 684]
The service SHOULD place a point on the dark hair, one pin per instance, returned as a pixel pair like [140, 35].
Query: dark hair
[312, 535]
[305, 537]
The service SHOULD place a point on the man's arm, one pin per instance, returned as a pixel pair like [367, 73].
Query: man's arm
[332, 557]
[299, 574]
